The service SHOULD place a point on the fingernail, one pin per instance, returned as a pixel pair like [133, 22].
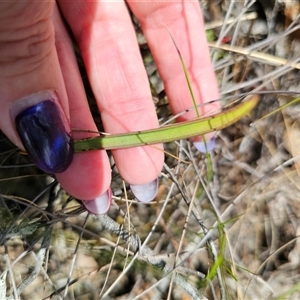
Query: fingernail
[145, 192]
[100, 205]
[44, 131]
[208, 146]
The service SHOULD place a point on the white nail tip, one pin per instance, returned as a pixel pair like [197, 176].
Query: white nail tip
[100, 205]
[145, 192]
[201, 147]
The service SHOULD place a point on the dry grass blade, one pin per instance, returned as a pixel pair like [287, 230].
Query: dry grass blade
[261, 57]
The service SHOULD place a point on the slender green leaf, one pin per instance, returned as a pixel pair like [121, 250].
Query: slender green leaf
[169, 133]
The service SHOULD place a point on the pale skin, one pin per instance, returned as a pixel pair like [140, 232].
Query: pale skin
[37, 54]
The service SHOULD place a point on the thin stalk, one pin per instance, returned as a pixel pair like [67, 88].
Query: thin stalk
[168, 133]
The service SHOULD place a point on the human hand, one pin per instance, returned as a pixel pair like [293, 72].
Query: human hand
[37, 63]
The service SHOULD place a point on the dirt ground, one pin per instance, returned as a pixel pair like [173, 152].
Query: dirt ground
[223, 226]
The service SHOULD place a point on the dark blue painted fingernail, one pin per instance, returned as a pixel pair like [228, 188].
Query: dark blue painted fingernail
[42, 129]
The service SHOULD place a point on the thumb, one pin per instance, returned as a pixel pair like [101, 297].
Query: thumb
[42, 97]
[31, 119]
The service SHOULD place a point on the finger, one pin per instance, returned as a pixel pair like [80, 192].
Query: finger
[34, 104]
[108, 44]
[26, 53]
[183, 19]
[89, 175]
